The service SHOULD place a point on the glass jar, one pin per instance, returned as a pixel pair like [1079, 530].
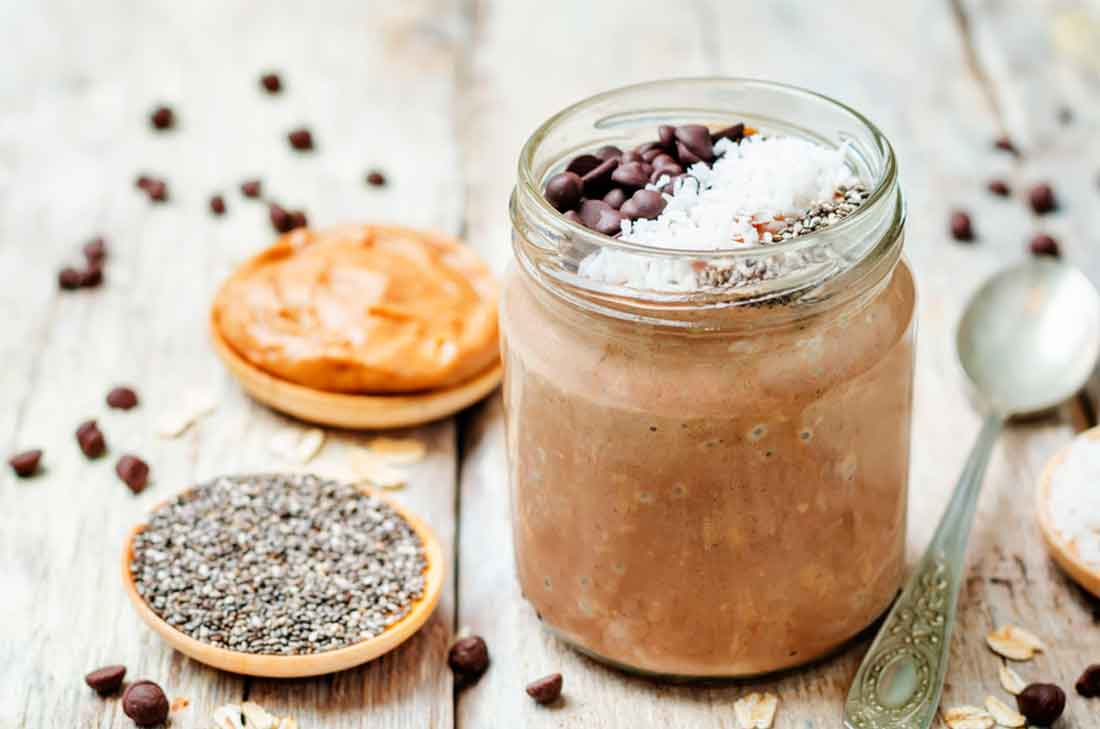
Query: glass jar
[709, 481]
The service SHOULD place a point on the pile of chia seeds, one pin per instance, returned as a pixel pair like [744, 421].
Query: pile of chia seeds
[278, 564]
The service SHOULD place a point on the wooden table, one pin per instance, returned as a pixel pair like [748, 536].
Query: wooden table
[440, 94]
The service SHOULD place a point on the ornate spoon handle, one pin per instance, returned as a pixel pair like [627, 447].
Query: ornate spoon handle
[898, 684]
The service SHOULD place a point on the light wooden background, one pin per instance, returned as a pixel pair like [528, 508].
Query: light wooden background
[441, 94]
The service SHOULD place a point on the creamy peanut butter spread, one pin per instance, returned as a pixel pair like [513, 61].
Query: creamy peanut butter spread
[362, 308]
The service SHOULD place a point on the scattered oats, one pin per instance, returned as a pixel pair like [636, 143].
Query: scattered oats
[255, 717]
[296, 445]
[375, 471]
[1010, 680]
[398, 451]
[227, 717]
[193, 407]
[1014, 643]
[968, 717]
[1004, 714]
[756, 711]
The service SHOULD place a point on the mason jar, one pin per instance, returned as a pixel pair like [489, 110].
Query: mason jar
[709, 480]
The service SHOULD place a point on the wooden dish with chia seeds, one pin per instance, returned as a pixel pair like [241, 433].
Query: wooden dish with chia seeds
[412, 616]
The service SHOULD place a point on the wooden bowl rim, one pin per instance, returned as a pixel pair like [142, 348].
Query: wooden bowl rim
[1063, 552]
[370, 411]
[314, 664]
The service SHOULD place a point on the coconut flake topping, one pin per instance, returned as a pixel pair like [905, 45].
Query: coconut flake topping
[744, 199]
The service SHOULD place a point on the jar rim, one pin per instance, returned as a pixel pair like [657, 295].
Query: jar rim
[882, 187]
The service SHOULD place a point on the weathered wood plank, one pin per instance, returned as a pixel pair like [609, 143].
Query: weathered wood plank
[915, 81]
[373, 80]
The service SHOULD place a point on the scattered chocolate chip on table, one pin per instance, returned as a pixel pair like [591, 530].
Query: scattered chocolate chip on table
[25, 464]
[145, 703]
[545, 690]
[107, 679]
[91, 439]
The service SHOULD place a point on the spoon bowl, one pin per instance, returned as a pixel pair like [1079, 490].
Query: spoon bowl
[1030, 337]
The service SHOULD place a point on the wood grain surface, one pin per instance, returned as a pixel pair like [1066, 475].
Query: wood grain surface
[441, 94]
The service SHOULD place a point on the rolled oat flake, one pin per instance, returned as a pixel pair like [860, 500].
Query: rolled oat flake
[285, 564]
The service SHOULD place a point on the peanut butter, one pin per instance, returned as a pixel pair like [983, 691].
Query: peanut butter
[362, 309]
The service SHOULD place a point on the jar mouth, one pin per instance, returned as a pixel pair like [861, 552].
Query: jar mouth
[530, 182]
[695, 288]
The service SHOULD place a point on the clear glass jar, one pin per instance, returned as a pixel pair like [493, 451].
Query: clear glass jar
[709, 482]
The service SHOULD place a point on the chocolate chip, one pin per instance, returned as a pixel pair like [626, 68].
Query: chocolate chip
[142, 182]
[122, 398]
[961, 227]
[582, 164]
[1005, 144]
[1088, 685]
[545, 690]
[609, 151]
[133, 471]
[601, 217]
[1041, 703]
[95, 250]
[156, 189]
[615, 198]
[301, 139]
[280, 218]
[69, 278]
[298, 219]
[631, 155]
[999, 188]
[667, 134]
[251, 188]
[1041, 198]
[469, 658]
[91, 439]
[91, 276]
[375, 178]
[632, 175]
[106, 680]
[597, 181]
[162, 118]
[652, 149]
[145, 703]
[733, 133]
[686, 156]
[271, 83]
[25, 464]
[696, 139]
[217, 204]
[643, 204]
[563, 191]
[574, 216]
[651, 154]
[1044, 245]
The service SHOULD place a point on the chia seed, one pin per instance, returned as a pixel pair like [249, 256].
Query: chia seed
[846, 200]
[278, 564]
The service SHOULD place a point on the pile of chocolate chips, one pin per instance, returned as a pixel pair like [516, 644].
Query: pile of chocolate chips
[602, 189]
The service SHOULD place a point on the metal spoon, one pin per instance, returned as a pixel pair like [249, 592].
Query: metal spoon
[1028, 340]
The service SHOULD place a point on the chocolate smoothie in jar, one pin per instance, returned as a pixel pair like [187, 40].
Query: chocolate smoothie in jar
[708, 340]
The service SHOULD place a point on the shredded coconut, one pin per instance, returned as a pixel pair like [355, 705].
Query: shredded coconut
[1075, 499]
[740, 201]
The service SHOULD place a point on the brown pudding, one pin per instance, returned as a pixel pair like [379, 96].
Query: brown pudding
[709, 505]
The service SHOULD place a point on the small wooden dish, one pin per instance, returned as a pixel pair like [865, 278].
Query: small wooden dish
[1063, 552]
[275, 666]
[354, 411]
